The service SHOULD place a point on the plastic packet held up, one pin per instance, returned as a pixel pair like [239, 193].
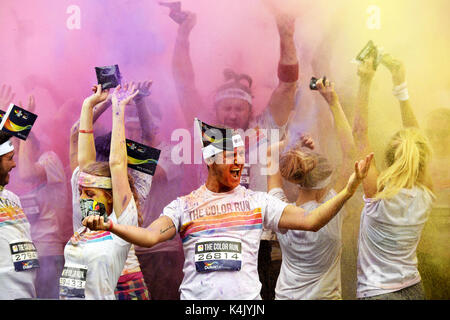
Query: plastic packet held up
[175, 11]
[370, 50]
[141, 157]
[17, 121]
[108, 76]
[91, 207]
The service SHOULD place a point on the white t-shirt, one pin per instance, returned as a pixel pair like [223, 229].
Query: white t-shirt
[225, 230]
[311, 265]
[96, 259]
[52, 198]
[14, 231]
[389, 233]
[142, 183]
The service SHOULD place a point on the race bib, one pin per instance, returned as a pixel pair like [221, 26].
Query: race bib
[218, 254]
[24, 255]
[73, 281]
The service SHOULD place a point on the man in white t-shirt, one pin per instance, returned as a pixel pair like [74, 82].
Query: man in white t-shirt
[18, 255]
[220, 225]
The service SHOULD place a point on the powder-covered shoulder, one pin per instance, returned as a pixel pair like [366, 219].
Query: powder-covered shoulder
[129, 215]
[11, 196]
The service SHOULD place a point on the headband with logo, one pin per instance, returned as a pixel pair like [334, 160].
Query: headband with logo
[216, 140]
[90, 181]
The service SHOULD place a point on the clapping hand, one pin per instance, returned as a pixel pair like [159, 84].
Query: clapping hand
[361, 171]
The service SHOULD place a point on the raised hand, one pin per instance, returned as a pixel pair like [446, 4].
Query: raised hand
[31, 104]
[96, 223]
[189, 23]
[98, 96]
[366, 70]
[144, 90]
[307, 141]
[327, 91]
[122, 97]
[6, 96]
[361, 170]
[396, 67]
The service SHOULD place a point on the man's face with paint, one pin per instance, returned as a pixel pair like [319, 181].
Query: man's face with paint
[7, 163]
[233, 113]
[97, 194]
[227, 167]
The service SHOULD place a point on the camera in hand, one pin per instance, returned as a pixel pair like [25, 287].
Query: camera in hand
[175, 11]
[371, 50]
[91, 207]
[313, 82]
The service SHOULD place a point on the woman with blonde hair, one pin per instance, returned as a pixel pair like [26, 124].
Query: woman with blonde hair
[397, 200]
[94, 260]
[310, 268]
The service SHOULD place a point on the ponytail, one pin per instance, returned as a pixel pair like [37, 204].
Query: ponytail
[407, 157]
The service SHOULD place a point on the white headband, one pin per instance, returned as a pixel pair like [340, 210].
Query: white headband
[6, 147]
[233, 93]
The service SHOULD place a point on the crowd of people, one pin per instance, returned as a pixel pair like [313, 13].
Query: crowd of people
[232, 231]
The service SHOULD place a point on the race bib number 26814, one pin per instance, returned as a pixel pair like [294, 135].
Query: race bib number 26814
[218, 254]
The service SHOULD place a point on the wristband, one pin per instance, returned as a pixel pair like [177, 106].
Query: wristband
[288, 72]
[111, 224]
[86, 131]
[401, 92]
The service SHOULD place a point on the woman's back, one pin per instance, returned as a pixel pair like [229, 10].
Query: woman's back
[390, 231]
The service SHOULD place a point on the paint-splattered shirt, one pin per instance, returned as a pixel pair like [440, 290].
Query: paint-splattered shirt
[14, 228]
[221, 234]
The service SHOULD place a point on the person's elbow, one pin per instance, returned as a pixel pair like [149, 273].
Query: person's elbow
[117, 162]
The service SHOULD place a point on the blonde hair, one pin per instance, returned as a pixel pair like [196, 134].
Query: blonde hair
[304, 167]
[407, 156]
[101, 169]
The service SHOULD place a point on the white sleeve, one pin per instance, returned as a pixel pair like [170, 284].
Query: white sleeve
[279, 194]
[173, 211]
[128, 217]
[272, 209]
[53, 167]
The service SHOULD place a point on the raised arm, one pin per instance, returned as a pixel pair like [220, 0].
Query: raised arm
[294, 217]
[343, 131]
[274, 180]
[282, 100]
[145, 119]
[183, 72]
[99, 109]
[360, 124]
[86, 145]
[118, 162]
[400, 90]
[160, 230]
[29, 168]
